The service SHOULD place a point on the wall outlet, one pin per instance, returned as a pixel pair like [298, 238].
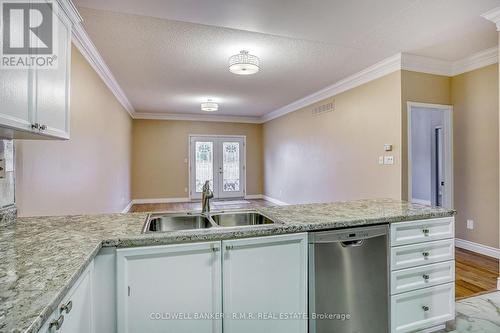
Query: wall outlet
[381, 160]
[389, 160]
[470, 224]
[185, 190]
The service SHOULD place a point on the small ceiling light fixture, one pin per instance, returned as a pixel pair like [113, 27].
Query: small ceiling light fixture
[209, 106]
[244, 63]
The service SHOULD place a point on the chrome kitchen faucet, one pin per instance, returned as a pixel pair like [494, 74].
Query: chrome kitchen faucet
[206, 195]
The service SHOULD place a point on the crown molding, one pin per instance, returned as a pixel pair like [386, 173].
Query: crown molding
[416, 63]
[493, 16]
[371, 73]
[197, 117]
[70, 10]
[475, 61]
[400, 61]
[87, 48]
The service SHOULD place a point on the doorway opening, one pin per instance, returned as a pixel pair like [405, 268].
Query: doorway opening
[430, 154]
[220, 160]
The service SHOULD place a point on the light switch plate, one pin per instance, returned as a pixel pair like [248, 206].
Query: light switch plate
[470, 224]
[389, 160]
[381, 160]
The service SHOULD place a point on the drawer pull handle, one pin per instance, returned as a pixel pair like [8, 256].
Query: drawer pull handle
[214, 248]
[426, 277]
[426, 232]
[66, 307]
[229, 247]
[425, 308]
[426, 254]
[57, 323]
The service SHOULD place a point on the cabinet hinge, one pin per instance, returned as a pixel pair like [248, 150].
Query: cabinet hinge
[129, 290]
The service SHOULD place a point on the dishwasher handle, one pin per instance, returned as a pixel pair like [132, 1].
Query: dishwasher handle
[352, 243]
[348, 237]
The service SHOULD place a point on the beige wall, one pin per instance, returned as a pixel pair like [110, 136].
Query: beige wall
[90, 173]
[475, 120]
[334, 156]
[423, 88]
[160, 149]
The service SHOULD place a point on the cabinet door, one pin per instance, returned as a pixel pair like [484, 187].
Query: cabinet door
[52, 84]
[174, 288]
[265, 280]
[78, 316]
[15, 97]
[424, 308]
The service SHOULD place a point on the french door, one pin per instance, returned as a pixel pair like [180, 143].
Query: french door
[221, 161]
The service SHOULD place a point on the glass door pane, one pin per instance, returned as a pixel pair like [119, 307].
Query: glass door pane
[221, 161]
[204, 164]
[231, 166]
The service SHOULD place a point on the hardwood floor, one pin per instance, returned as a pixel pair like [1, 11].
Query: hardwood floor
[475, 273]
[215, 204]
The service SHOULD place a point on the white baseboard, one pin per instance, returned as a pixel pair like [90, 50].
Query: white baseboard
[478, 248]
[274, 201]
[127, 208]
[159, 200]
[254, 196]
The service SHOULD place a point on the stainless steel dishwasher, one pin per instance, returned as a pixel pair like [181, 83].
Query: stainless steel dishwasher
[348, 281]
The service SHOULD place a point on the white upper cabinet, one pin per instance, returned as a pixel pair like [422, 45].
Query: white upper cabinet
[34, 100]
[52, 85]
[14, 98]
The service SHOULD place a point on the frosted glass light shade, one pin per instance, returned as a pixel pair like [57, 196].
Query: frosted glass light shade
[244, 63]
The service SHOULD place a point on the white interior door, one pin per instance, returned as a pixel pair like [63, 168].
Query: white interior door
[221, 161]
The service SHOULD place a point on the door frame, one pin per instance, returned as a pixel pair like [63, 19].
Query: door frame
[448, 144]
[244, 160]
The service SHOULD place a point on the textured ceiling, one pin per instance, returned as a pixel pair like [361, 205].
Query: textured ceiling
[166, 65]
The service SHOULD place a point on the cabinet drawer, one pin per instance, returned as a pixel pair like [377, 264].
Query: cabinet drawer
[422, 276]
[422, 231]
[422, 254]
[423, 308]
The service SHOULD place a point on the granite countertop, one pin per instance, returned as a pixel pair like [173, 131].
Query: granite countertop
[42, 257]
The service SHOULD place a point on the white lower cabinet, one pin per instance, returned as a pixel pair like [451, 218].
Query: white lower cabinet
[423, 308]
[265, 284]
[74, 314]
[169, 288]
[422, 275]
[245, 285]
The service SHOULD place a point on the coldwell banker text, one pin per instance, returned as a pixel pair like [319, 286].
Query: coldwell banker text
[28, 34]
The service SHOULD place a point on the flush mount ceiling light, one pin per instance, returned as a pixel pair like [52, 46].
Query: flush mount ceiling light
[244, 63]
[209, 106]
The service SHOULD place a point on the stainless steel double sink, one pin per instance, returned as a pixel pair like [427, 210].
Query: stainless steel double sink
[164, 222]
